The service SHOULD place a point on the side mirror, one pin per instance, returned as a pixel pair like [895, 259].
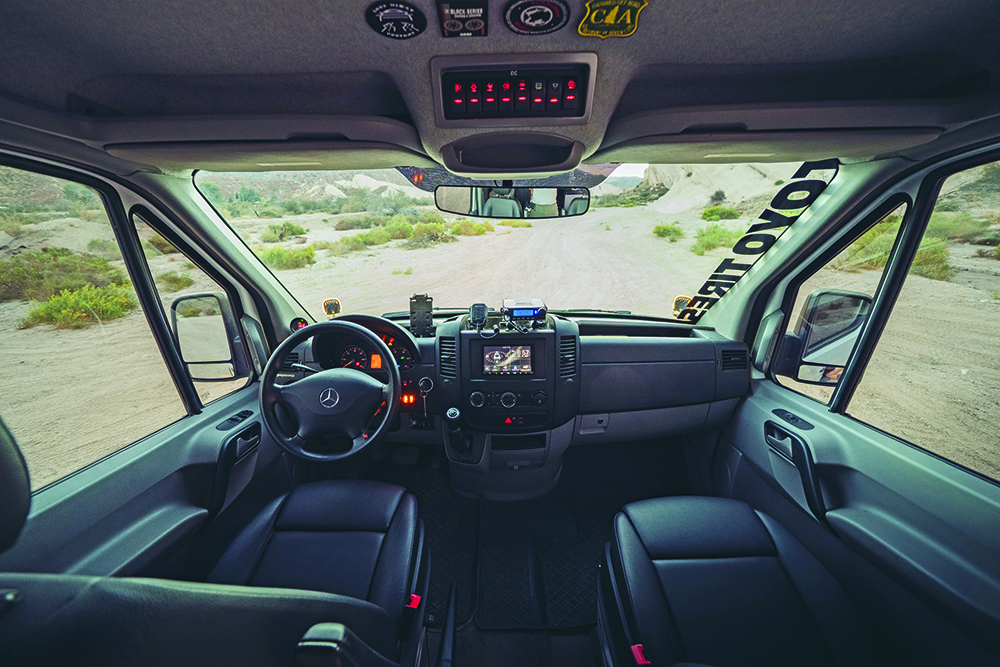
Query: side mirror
[817, 351]
[208, 336]
[512, 203]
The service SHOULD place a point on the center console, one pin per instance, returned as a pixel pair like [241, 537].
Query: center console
[516, 390]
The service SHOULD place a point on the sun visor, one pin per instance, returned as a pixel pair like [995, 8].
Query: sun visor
[270, 155]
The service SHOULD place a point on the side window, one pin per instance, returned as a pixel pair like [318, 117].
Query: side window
[830, 308]
[934, 378]
[196, 320]
[81, 373]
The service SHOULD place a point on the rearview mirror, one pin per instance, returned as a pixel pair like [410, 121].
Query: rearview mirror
[205, 330]
[509, 202]
[817, 351]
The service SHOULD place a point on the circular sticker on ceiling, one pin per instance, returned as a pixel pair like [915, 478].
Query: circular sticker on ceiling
[536, 17]
[397, 20]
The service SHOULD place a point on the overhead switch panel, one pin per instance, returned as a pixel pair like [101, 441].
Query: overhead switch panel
[514, 90]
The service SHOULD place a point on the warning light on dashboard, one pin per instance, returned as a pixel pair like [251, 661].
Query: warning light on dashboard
[505, 99]
[571, 84]
[408, 399]
[522, 84]
[538, 100]
[553, 100]
[506, 86]
[571, 97]
[521, 98]
[489, 87]
[458, 87]
[474, 87]
[376, 361]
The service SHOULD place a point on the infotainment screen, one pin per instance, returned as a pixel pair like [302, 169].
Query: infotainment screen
[507, 359]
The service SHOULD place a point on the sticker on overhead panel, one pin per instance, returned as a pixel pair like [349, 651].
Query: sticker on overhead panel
[463, 18]
[536, 17]
[397, 20]
[611, 18]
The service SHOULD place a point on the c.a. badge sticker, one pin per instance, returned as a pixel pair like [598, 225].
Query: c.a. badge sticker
[536, 17]
[463, 18]
[397, 20]
[611, 18]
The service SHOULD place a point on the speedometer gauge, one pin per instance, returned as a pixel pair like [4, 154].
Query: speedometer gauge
[354, 357]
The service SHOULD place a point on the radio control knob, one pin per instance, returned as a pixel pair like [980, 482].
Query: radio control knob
[477, 399]
[508, 399]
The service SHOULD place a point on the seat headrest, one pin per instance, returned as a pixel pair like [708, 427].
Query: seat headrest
[502, 192]
[15, 489]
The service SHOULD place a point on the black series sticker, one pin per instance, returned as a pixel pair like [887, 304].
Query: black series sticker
[792, 199]
[398, 20]
[463, 18]
[536, 17]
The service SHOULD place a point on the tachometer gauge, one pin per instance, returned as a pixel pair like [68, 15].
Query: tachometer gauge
[354, 357]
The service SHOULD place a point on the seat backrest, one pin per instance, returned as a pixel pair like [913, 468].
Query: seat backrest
[15, 489]
[501, 207]
[577, 207]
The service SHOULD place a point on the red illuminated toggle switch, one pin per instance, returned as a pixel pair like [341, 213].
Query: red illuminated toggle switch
[506, 103]
[521, 103]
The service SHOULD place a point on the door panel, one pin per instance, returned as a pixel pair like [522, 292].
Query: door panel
[926, 523]
[129, 511]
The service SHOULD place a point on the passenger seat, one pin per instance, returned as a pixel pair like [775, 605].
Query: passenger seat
[710, 581]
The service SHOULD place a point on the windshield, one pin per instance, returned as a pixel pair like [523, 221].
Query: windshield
[371, 239]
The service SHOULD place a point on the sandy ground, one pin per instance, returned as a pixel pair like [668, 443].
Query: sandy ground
[72, 397]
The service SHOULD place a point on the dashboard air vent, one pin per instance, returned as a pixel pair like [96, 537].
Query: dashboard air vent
[734, 360]
[448, 357]
[292, 358]
[567, 356]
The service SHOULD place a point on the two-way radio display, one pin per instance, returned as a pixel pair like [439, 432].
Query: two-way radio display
[507, 360]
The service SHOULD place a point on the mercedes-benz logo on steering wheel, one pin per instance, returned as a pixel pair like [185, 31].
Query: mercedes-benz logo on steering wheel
[328, 397]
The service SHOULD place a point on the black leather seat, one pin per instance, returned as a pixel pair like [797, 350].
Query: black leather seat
[711, 581]
[348, 537]
[347, 552]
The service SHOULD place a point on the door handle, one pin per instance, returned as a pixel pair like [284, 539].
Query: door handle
[796, 448]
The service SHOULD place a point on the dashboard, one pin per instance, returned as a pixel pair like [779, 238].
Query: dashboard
[353, 352]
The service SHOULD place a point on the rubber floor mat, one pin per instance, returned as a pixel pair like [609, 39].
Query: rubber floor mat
[451, 524]
[538, 559]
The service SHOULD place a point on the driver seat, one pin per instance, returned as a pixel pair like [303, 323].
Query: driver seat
[347, 537]
[349, 552]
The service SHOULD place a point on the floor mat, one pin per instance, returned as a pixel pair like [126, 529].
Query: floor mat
[451, 524]
[538, 558]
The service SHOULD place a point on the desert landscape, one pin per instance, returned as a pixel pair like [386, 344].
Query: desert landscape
[609, 259]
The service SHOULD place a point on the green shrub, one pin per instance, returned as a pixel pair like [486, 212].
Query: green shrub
[375, 236]
[79, 308]
[282, 232]
[996, 252]
[104, 248]
[364, 222]
[323, 245]
[719, 213]
[428, 234]
[672, 232]
[399, 229]
[425, 229]
[717, 197]
[430, 217]
[171, 281]
[871, 252]
[193, 309]
[638, 196]
[86, 211]
[269, 211]
[514, 223]
[945, 207]
[401, 272]
[280, 257]
[162, 245]
[955, 227]
[931, 260]
[466, 227]
[12, 225]
[715, 236]
[39, 275]
[348, 244]
[779, 182]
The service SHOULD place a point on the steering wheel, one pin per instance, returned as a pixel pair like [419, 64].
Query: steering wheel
[336, 402]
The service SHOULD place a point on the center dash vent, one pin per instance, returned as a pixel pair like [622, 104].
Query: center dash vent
[292, 358]
[734, 360]
[567, 356]
[448, 357]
